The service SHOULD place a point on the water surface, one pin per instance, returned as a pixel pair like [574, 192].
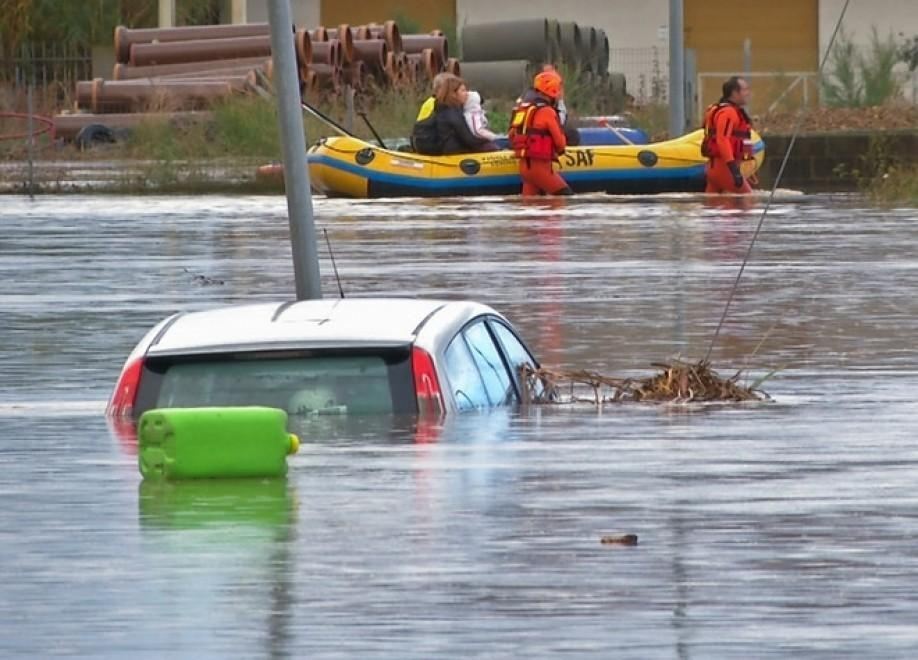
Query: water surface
[786, 529]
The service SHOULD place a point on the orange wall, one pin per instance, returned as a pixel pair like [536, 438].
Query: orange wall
[429, 14]
[784, 35]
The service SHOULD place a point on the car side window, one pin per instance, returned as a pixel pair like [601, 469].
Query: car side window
[516, 352]
[464, 380]
[486, 354]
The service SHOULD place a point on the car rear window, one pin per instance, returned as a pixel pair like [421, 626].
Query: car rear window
[302, 383]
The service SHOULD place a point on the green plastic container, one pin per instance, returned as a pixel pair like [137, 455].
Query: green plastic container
[214, 443]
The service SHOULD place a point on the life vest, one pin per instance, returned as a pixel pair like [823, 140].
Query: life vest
[741, 132]
[526, 140]
[424, 136]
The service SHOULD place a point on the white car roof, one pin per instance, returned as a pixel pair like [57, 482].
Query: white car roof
[327, 322]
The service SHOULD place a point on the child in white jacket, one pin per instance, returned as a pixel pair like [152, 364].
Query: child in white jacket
[475, 117]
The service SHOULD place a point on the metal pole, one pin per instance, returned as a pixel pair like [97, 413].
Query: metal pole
[293, 143]
[676, 69]
[747, 56]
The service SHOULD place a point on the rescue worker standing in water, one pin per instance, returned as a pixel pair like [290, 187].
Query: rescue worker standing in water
[727, 136]
[537, 138]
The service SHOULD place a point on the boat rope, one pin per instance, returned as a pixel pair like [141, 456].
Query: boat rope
[798, 124]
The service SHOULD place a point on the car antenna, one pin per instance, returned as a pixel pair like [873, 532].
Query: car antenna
[334, 265]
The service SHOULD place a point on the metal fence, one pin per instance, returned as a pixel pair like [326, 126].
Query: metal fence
[44, 63]
[646, 72]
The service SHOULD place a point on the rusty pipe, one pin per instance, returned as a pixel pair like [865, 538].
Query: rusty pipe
[202, 49]
[67, 126]
[125, 95]
[345, 35]
[327, 52]
[302, 43]
[127, 37]
[128, 72]
[372, 52]
[416, 43]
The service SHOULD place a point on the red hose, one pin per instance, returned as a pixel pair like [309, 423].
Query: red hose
[46, 126]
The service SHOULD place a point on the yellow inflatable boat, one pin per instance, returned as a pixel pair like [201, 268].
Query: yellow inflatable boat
[348, 167]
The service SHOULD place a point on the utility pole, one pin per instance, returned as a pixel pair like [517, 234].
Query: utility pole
[293, 143]
[676, 69]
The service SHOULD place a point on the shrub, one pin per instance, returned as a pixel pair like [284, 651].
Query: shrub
[863, 77]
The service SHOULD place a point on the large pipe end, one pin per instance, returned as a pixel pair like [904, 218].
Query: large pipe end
[392, 35]
[346, 36]
[303, 45]
[122, 47]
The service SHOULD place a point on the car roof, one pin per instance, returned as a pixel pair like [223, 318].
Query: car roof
[314, 323]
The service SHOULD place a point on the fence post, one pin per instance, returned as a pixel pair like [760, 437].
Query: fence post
[349, 108]
[29, 140]
[676, 69]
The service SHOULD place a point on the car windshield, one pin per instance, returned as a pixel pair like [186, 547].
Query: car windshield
[302, 383]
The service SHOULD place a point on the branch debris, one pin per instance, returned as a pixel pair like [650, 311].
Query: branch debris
[677, 382]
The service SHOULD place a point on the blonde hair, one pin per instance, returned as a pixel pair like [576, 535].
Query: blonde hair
[447, 93]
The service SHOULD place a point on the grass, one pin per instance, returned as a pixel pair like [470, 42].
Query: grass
[897, 185]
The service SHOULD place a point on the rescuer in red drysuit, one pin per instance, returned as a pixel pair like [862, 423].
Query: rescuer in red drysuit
[537, 138]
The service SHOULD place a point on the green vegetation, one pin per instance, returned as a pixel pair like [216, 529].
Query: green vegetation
[406, 24]
[898, 184]
[857, 78]
[84, 23]
[881, 176]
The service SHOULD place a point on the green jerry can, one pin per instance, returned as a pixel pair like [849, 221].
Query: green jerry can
[214, 443]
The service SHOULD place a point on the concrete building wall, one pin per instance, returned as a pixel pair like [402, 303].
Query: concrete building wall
[887, 15]
[305, 12]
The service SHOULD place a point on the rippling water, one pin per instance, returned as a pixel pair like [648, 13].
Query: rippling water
[786, 529]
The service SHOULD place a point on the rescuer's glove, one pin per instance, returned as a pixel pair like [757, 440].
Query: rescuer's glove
[737, 175]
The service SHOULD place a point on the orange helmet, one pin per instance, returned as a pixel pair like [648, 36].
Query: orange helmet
[548, 83]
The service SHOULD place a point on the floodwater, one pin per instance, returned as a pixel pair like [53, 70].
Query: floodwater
[787, 529]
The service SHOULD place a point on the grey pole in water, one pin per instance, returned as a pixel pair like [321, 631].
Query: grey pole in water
[676, 69]
[293, 143]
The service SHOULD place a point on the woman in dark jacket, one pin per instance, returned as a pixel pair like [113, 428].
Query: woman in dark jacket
[452, 130]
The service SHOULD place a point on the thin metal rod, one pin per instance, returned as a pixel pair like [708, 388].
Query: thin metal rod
[758, 228]
[293, 143]
[29, 141]
[331, 253]
[321, 116]
[366, 121]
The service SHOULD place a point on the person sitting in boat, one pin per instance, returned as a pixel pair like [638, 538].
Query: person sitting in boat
[476, 118]
[454, 134]
[537, 138]
[727, 139]
[424, 138]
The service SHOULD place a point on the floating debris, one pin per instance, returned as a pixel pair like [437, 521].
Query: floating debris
[677, 382]
[619, 539]
[203, 280]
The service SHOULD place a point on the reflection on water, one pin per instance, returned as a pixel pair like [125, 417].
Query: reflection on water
[778, 530]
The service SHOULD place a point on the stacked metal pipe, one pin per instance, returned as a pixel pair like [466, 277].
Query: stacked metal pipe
[181, 69]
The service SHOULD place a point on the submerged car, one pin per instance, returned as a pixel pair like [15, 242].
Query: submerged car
[344, 356]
